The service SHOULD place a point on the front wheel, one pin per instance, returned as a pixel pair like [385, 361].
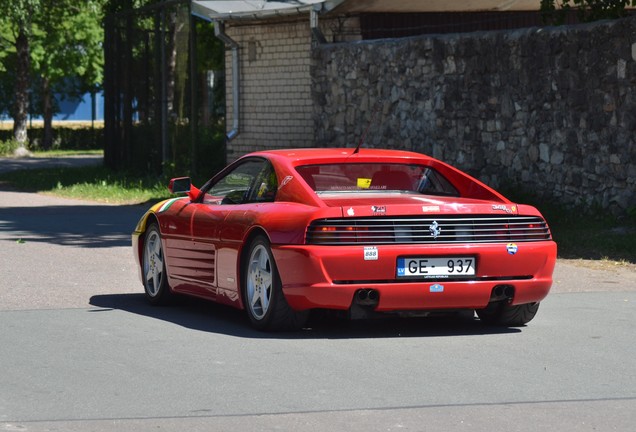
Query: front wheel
[263, 296]
[503, 314]
[154, 268]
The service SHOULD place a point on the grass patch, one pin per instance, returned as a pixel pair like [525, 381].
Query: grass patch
[588, 234]
[592, 235]
[7, 149]
[93, 183]
[63, 153]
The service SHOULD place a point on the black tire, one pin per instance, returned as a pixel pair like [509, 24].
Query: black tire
[263, 296]
[503, 314]
[155, 278]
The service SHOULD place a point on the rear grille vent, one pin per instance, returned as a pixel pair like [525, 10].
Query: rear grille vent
[410, 230]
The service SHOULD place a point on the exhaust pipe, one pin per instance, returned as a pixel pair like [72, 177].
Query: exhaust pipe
[364, 303]
[509, 292]
[367, 297]
[502, 293]
[362, 296]
[373, 296]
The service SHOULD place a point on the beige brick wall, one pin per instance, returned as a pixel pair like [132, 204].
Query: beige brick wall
[275, 87]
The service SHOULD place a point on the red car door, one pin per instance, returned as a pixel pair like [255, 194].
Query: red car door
[204, 228]
[189, 237]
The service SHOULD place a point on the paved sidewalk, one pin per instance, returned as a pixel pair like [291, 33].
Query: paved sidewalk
[58, 253]
[592, 276]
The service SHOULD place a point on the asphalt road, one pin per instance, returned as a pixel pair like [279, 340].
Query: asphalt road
[80, 350]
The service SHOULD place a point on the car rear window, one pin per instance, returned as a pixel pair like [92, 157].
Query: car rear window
[374, 177]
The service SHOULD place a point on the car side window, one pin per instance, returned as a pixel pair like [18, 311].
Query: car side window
[433, 183]
[265, 186]
[235, 186]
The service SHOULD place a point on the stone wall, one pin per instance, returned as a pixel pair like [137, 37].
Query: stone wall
[547, 110]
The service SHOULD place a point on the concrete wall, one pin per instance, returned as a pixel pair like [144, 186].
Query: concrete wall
[550, 110]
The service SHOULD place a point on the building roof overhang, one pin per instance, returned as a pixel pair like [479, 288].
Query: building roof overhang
[263, 9]
[258, 9]
[404, 6]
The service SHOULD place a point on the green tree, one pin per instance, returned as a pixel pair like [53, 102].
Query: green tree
[67, 54]
[47, 46]
[210, 56]
[554, 12]
[16, 26]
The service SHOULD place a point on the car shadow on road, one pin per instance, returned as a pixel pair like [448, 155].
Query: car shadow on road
[214, 318]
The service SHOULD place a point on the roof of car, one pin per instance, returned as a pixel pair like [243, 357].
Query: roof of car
[313, 154]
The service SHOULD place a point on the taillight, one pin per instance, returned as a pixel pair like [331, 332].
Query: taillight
[532, 231]
[415, 230]
[498, 232]
[355, 234]
[331, 234]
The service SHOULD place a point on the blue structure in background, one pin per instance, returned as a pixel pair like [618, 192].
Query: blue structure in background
[88, 107]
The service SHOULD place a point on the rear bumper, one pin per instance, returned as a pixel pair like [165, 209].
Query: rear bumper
[329, 276]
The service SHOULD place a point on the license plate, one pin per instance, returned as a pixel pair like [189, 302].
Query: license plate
[435, 267]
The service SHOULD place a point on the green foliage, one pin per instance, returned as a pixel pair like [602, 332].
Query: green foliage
[66, 138]
[64, 45]
[554, 12]
[94, 183]
[8, 146]
[585, 233]
[210, 49]
[66, 53]
[210, 150]
[7, 79]
[69, 138]
[16, 28]
[17, 14]
[119, 6]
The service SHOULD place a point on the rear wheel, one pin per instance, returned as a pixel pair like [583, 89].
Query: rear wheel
[263, 296]
[503, 314]
[154, 268]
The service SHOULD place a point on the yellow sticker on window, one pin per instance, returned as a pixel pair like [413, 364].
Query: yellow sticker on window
[364, 183]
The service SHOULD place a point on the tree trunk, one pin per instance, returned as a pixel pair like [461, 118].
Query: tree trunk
[47, 141]
[172, 61]
[21, 105]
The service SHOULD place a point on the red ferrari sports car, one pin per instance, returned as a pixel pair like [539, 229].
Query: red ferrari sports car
[280, 233]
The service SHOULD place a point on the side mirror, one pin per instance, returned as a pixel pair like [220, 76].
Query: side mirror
[180, 185]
